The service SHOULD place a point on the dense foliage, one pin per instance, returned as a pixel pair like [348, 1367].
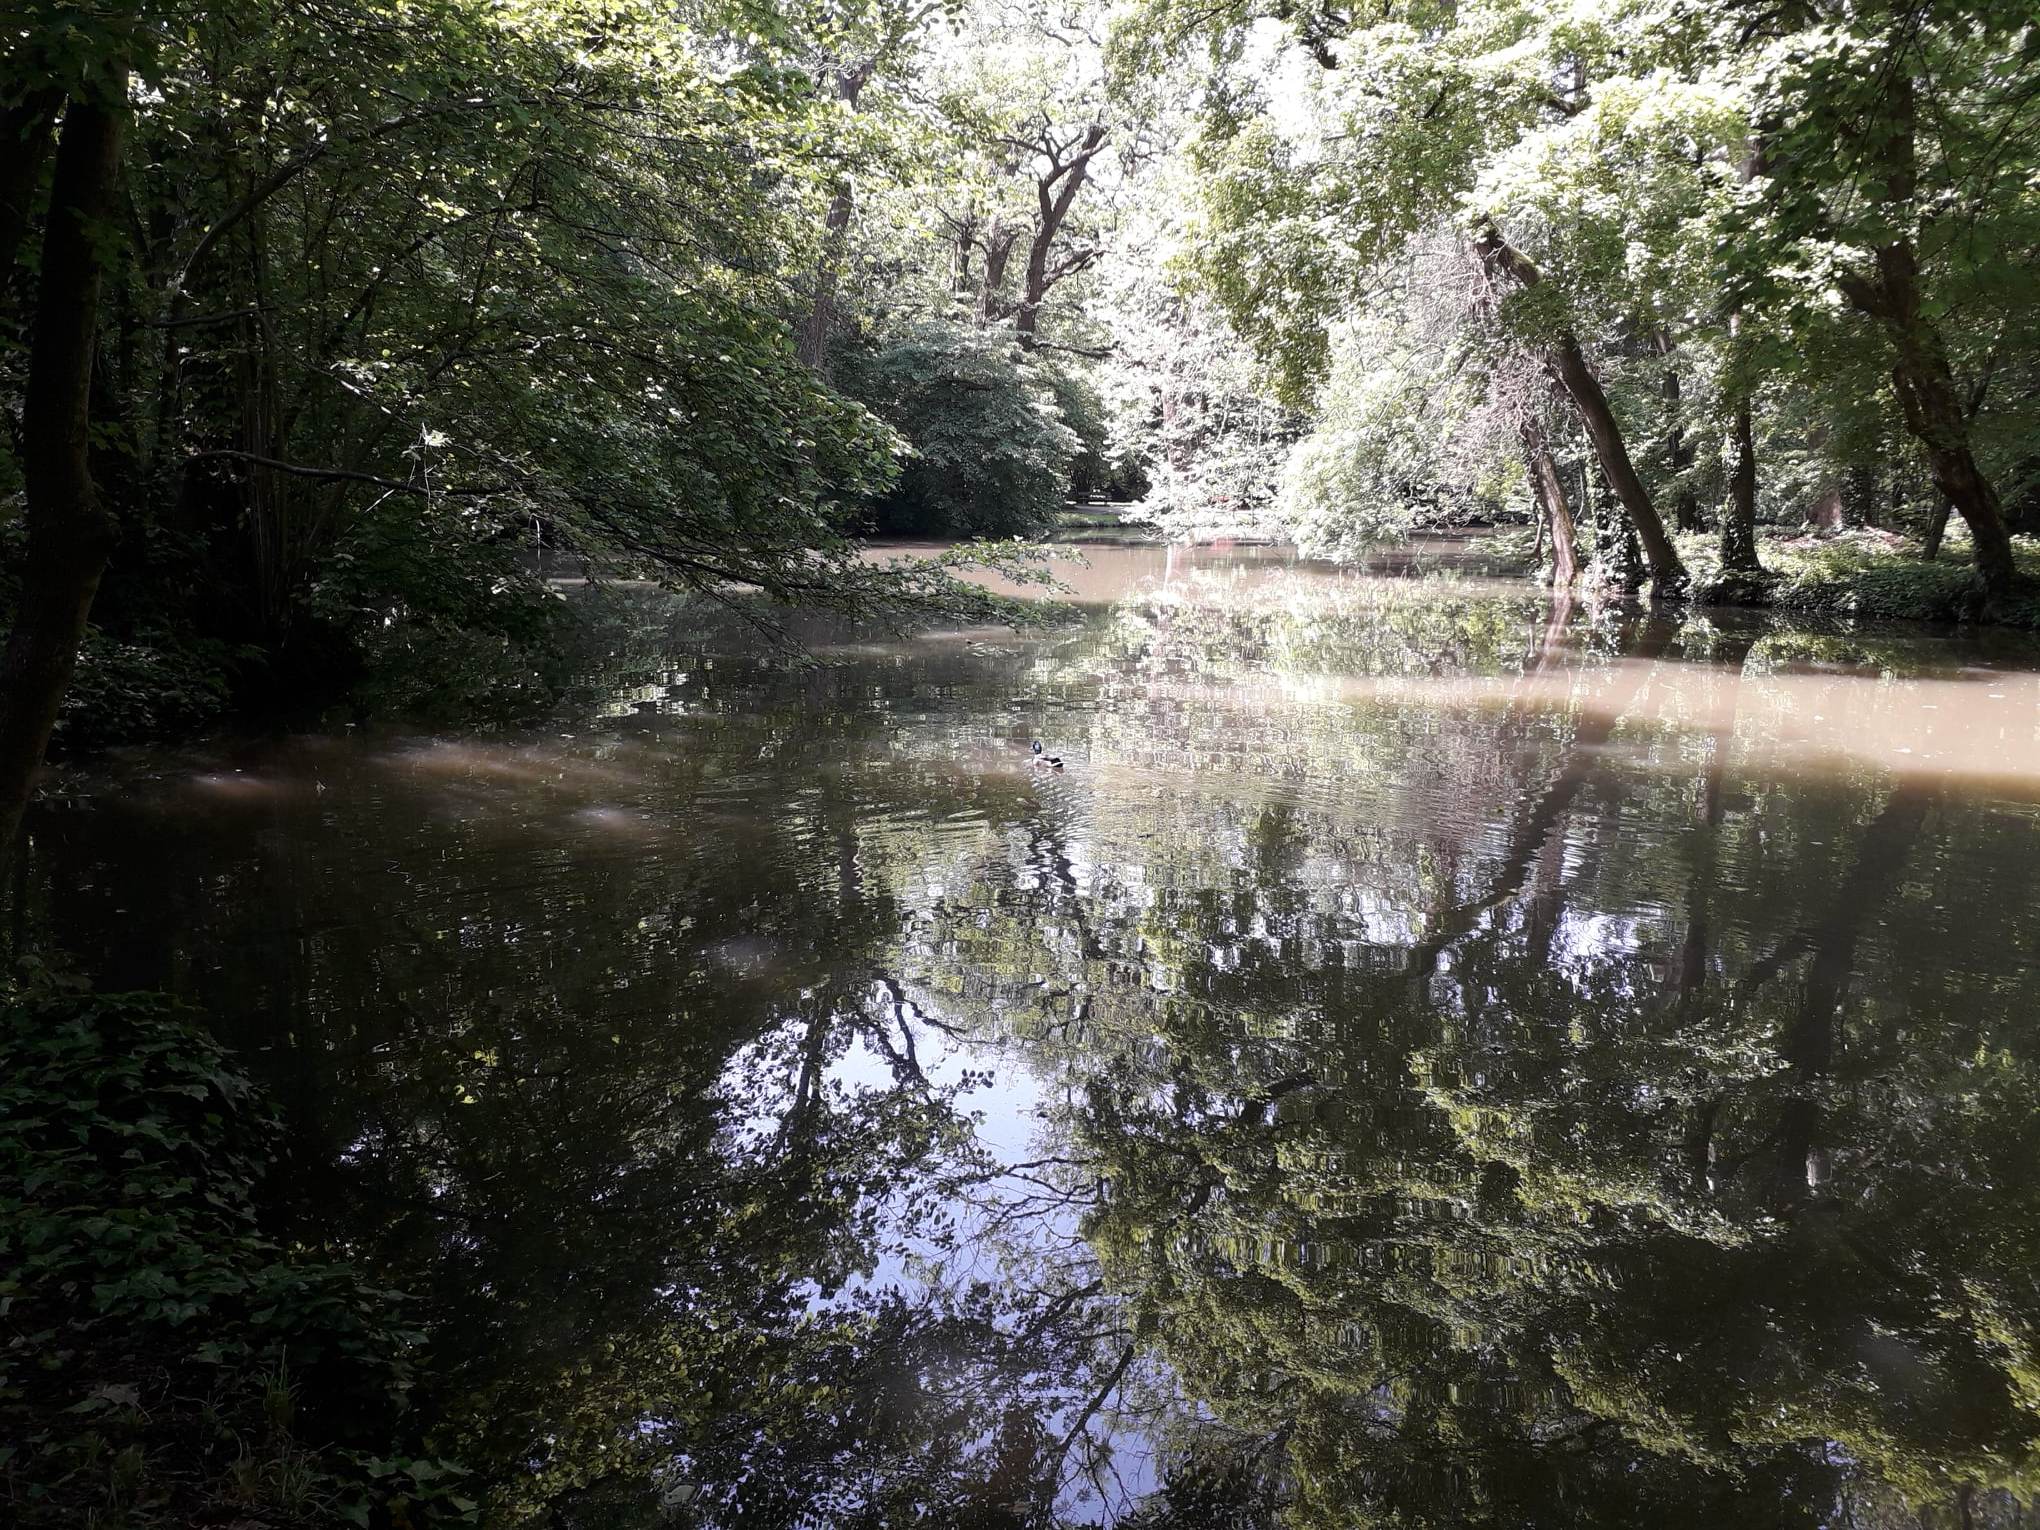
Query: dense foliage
[991, 454]
[164, 1361]
[1714, 266]
[405, 307]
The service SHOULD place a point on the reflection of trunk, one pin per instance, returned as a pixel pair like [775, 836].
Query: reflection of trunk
[797, 1126]
[1808, 1044]
[1709, 810]
[1920, 373]
[1540, 918]
[1581, 762]
[1569, 364]
[1698, 1146]
[70, 533]
[1550, 492]
[1553, 645]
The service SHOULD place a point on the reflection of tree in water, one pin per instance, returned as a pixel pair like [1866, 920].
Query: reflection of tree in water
[1480, 1128]
[637, 1133]
[1537, 1215]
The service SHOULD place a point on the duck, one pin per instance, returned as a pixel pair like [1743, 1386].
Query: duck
[1046, 761]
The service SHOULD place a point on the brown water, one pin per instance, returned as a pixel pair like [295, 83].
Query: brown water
[1426, 1058]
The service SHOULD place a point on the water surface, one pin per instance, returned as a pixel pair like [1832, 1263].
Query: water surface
[1429, 1057]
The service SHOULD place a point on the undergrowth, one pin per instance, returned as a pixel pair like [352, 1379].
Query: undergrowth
[163, 1362]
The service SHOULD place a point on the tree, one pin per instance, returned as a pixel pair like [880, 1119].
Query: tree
[1894, 179]
[991, 449]
[71, 531]
[357, 309]
[1402, 128]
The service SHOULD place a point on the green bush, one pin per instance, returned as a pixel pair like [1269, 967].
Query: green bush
[125, 692]
[990, 453]
[161, 1360]
[1863, 575]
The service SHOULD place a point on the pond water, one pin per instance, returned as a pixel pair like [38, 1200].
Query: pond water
[1428, 1057]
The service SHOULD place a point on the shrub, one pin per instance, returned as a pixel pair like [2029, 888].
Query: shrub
[989, 450]
[159, 1356]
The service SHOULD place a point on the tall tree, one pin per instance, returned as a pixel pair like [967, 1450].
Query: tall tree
[1899, 140]
[71, 531]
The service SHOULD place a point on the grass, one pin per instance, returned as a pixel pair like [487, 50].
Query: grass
[1865, 574]
[1093, 517]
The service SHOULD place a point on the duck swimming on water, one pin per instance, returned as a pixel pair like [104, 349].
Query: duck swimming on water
[1046, 761]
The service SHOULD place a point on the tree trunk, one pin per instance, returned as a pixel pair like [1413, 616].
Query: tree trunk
[1739, 520]
[24, 145]
[1679, 453]
[811, 340]
[999, 242]
[1618, 559]
[1550, 492]
[1933, 413]
[1859, 495]
[1928, 398]
[1937, 528]
[1568, 363]
[1055, 195]
[70, 533]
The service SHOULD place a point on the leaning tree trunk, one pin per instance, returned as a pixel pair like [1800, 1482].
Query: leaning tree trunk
[1568, 363]
[1933, 413]
[1928, 398]
[1550, 492]
[70, 533]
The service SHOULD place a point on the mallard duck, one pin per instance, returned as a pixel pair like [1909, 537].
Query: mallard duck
[1046, 761]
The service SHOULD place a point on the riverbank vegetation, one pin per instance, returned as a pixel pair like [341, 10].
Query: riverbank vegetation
[329, 329]
[1652, 269]
[332, 333]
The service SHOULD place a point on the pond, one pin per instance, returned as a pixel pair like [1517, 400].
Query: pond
[1429, 1056]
